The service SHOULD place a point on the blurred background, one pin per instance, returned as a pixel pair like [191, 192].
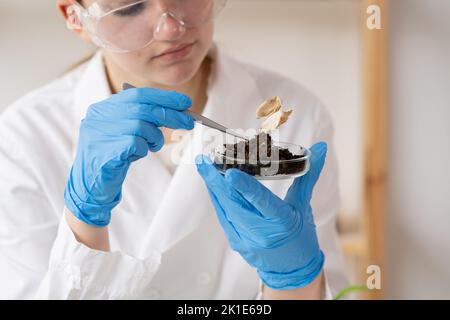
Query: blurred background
[388, 92]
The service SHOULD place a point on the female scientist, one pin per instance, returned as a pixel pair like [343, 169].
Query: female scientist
[82, 218]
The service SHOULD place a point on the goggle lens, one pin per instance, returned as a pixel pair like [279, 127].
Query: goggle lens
[133, 26]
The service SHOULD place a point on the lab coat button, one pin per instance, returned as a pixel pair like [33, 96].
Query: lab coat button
[204, 278]
[153, 294]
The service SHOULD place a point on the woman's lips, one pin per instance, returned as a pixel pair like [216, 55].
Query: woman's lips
[177, 54]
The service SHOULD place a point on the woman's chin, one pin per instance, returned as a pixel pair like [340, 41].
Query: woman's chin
[176, 77]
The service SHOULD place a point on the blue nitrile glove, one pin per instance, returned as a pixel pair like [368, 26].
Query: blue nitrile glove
[116, 132]
[277, 237]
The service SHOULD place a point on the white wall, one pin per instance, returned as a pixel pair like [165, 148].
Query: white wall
[419, 150]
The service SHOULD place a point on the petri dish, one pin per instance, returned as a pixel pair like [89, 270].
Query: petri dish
[265, 170]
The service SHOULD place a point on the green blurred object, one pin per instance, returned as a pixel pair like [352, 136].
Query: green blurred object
[351, 289]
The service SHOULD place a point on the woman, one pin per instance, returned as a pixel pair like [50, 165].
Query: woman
[177, 231]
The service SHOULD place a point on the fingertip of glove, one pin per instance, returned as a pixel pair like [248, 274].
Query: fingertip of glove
[199, 159]
[205, 168]
[190, 123]
[319, 149]
[155, 147]
[184, 101]
[321, 145]
[202, 160]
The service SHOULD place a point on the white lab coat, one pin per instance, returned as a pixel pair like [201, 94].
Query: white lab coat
[166, 242]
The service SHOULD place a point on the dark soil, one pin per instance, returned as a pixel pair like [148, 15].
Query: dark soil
[259, 156]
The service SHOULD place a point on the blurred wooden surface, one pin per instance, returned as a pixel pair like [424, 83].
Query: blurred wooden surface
[363, 236]
[374, 124]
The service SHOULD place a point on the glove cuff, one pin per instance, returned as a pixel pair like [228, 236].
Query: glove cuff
[296, 279]
[95, 215]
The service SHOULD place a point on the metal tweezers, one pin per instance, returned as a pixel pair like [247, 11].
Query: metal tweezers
[201, 119]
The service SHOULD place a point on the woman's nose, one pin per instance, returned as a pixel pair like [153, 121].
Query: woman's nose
[169, 27]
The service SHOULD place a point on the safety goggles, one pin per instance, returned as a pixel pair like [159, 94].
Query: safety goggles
[129, 25]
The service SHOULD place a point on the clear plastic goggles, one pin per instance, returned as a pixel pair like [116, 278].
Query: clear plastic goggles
[129, 25]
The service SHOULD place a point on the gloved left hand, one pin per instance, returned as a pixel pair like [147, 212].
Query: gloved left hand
[277, 237]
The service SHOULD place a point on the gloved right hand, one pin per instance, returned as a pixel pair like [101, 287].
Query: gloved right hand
[114, 133]
[277, 237]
